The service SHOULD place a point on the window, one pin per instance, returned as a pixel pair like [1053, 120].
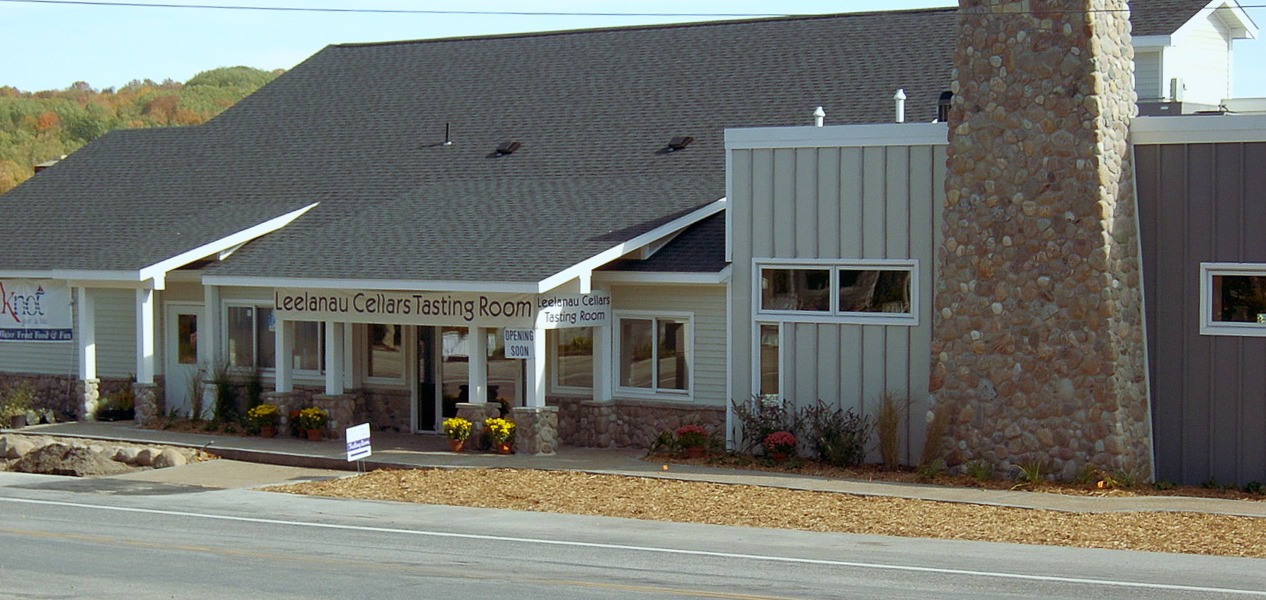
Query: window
[571, 357]
[654, 353]
[385, 352]
[871, 291]
[308, 349]
[251, 336]
[1233, 299]
[767, 360]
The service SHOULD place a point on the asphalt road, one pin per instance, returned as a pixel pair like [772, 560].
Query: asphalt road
[104, 538]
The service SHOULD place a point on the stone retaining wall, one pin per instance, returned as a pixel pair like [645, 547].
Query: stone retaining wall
[1038, 351]
[62, 393]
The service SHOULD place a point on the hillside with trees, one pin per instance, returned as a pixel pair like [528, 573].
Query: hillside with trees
[36, 127]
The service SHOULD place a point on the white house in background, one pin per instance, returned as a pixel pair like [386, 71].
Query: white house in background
[1187, 69]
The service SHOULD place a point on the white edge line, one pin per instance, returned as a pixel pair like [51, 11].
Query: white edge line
[650, 549]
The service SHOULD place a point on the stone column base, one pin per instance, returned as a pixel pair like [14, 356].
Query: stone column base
[145, 405]
[87, 397]
[536, 430]
[341, 408]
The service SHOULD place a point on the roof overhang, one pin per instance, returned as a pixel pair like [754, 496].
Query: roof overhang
[155, 275]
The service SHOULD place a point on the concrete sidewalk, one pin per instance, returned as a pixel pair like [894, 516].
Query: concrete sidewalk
[253, 461]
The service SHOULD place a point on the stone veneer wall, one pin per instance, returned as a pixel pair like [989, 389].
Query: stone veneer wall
[1038, 351]
[60, 392]
[627, 423]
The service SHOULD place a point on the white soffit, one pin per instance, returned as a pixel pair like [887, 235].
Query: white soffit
[1198, 129]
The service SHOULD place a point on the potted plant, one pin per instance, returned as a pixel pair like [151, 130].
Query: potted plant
[694, 438]
[458, 431]
[780, 445]
[265, 417]
[500, 433]
[313, 420]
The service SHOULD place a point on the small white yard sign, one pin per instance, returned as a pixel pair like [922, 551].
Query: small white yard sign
[358, 442]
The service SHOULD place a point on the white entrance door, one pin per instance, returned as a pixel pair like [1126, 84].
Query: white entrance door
[180, 363]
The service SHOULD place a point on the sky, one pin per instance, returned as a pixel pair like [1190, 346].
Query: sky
[51, 44]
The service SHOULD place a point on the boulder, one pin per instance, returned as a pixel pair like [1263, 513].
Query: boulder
[169, 457]
[60, 459]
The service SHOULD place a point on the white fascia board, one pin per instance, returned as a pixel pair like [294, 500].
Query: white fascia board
[1198, 129]
[160, 269]
[1151, 42]
[838, 136]
[586, 267]
[663, 278]
[399, 285]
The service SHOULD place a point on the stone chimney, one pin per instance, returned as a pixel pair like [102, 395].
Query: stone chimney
[1038, 352]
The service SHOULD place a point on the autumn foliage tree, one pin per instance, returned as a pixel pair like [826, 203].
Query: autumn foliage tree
[40, 126]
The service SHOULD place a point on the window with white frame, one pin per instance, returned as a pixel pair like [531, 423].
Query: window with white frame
[571, 358]
[251, 336]
[307, 351]
[655, 353]
[862, 291]
[768, 360]
[1233, 299]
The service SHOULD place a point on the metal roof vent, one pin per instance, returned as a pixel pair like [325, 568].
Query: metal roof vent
[679, 143]
[819, 116]
[508, 148]
[900, 99]
[943, 107]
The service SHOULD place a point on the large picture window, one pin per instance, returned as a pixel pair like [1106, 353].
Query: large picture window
[251, 336]
[308, 351]
[1233, 299]
[655, 353]
[571, 357]
[865, 291]
[385, 353]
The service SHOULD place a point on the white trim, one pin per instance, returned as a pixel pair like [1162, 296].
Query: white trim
[654, 392]
[833, 314]
[586, 266]
[220, 245]
[1151, 42]
[838, 136]
[1207, 325]
[1198, 129]
[371, 284]
[665, 278]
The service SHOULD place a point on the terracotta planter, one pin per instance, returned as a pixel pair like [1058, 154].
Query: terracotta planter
[504, 448]
[268, 431]
[696, 451]
[315, 435]
[456, 445]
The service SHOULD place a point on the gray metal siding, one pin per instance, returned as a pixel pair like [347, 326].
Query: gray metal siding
[839, 203]
[1202, 203]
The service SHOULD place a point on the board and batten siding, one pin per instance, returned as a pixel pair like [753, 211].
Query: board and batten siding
[706, 305]
[1202, 203]
[849, 192]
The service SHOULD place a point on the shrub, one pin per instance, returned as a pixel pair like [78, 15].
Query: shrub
[838, 437]
[17, 400]
[892, 412]
[978, 469]
[938, 428]
[780, 442]
[761, 416]
[691, 435]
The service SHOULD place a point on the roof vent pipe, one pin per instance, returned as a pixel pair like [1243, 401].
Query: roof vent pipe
[900, 99]
[447, 140]
[818, 116]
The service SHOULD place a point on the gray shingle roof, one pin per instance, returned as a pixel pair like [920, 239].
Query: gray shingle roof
[1162, 17]
[359, 128]
[700, 248]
